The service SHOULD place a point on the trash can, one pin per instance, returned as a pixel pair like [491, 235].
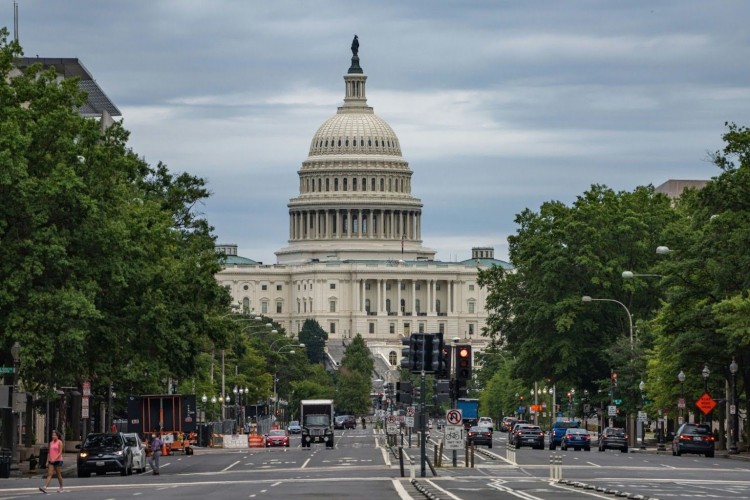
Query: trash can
[5, 455]
[43, 454]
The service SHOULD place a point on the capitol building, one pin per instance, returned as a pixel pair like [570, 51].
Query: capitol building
[354, 260]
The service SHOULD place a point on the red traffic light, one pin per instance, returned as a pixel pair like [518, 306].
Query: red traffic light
[464, 352]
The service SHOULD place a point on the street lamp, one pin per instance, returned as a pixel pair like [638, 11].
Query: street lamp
[213, 406]
[642, 387]
[733, 408]
[586, 298]
[706, 372]
[681, 378]
[15, 351]
[630, 275]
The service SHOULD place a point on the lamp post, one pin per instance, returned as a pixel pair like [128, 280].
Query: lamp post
[586, 298]
[733, 408]
[213, 406]
[275, 394]
[681, 404]
[236, 392]
[706, 372]
[15, 351]
[642, 387]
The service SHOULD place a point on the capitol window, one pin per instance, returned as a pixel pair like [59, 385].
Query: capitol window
[332, 306]
[371, 327]
[471, 307]
[332, 328]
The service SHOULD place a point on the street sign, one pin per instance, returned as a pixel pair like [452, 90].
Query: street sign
[411, 411]
[681, 403]
[642, 416]
[732, 409]
[392, 425]
[409, 421]
[6, 369]
[453, 438]
[87, 388]
[705, 403]
[612, 410]
[454, 417]
[617, 401]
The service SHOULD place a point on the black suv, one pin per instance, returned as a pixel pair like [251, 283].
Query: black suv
[104, 452]
[693, 438]
[613, 438]
[345, 422]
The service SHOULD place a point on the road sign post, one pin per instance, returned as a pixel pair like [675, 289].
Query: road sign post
[453, 437]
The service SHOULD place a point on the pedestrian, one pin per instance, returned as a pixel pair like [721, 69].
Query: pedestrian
[156, 445]
[54, 462]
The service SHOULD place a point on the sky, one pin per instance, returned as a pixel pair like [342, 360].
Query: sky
[499, 106]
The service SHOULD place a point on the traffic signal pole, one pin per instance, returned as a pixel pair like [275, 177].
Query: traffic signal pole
[454, 389]
[422, 426]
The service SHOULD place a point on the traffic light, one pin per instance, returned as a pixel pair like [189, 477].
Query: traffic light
[433, 351]
[441, 391]
[445, 360]
[418, 351]
[407, 360]
[463, 369]
[403, 392]
[614, 379]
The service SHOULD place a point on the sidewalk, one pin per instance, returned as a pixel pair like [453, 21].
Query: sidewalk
[22, 469]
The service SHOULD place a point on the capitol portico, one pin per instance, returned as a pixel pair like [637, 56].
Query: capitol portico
[354, 260]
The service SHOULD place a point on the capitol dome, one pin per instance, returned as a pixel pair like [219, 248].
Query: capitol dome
[355, 133]
[355, 200]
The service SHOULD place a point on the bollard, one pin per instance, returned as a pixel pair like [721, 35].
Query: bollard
[473, 447]
[555, 467]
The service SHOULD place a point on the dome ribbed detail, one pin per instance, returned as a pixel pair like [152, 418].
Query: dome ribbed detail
[355, 133]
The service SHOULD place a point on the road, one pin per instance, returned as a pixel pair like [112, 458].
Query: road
[360, 467]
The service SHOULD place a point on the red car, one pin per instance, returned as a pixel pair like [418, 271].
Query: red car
[277, 438]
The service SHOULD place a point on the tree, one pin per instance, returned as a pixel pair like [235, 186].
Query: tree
[314, 338]
[704, 319]
[560, 254]
[357, 357]
[106, 271]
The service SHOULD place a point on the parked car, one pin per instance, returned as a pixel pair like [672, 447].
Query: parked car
[277, 437]
[486, 422]
[103, 452]
[345, 422]
[693, 438]
[137, 449]
[529, 435]
[479, 435]
[613, 438]
[294, 427]
[576, 438]
[558, 430]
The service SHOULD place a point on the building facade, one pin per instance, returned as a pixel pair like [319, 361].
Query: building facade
[354, 260]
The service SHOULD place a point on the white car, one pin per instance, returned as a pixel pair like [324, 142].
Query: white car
[133, 441]
[486, 422]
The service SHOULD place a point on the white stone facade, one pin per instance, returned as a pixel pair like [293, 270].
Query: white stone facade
[354, 260]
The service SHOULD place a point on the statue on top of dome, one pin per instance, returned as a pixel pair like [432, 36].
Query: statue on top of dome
[355, 46]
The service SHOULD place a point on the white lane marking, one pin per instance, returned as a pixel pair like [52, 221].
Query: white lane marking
[519, 494]
[593, 464]
[276, 484]
[306, 462]
[230, 466]
[454, 497]
[401, 491]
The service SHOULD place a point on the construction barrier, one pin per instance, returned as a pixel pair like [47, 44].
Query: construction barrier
[255, 441]
[234, 441]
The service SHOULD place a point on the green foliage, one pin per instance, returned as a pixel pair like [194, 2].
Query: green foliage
[106, 272]
[704, 320]
[314, 338]
[560, 254]
[354, 379]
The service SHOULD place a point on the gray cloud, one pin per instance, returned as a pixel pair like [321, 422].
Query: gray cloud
[499, 105]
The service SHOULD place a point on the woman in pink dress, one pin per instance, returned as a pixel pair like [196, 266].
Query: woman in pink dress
[54, 462]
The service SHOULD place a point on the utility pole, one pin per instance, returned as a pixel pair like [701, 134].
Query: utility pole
[422, 427]
[454, 388]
